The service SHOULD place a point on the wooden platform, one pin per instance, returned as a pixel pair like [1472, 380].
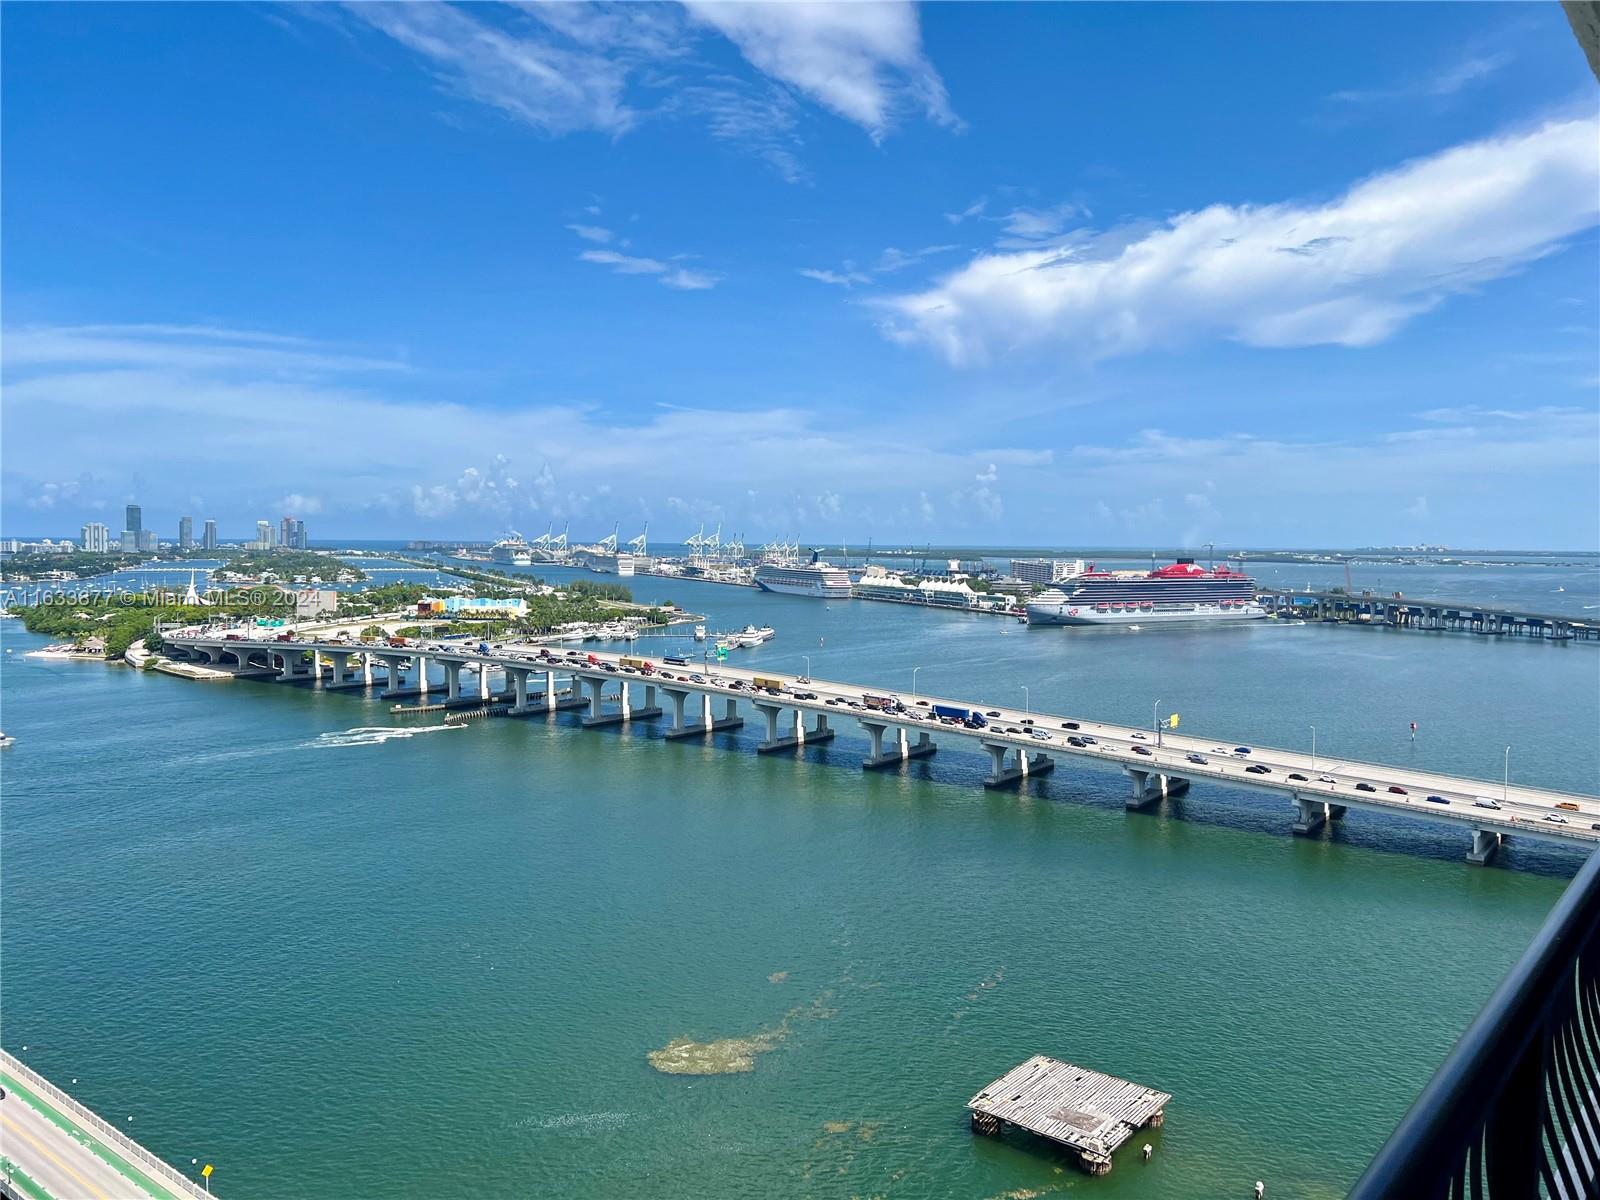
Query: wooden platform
[1087, 1112]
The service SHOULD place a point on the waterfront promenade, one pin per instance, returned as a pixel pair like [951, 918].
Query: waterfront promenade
[1156, 764]
[53, 1148]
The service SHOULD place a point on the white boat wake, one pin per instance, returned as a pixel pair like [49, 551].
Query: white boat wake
[372, 735]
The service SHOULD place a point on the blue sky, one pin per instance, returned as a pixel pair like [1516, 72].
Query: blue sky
[1042, 274]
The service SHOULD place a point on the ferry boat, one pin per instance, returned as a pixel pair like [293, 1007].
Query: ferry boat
[1179, 592]
[820, 580]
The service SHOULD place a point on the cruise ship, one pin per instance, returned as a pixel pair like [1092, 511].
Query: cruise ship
[1182, 591]
[817, 579]
[512, 551]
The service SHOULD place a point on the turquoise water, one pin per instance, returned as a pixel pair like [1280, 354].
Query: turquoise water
[437, 964]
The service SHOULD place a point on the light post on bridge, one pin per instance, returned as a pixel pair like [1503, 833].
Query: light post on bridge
[914, 671]
[1027, 700]
[807, 657]
[1505, 782]
[1155, 721]
[1313, 747]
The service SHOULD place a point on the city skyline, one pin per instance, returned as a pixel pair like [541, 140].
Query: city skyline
[1042, 318]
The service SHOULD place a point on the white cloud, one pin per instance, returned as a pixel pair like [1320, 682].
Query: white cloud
[669, 275]
[1348, 272]
[863, 61]
[553, 87]
[1444, 82]
[892, 259]
[591, 233]
[1027, 227]
[846, 278]
[569, 67]
[411, 461]
[975, 209]
[297, 505]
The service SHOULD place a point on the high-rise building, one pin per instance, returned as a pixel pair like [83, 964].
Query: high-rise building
[286, 532]
[96, 538]
[263, 535]
[208, 539]
[135, 520]
[1045, 570]
[147, 540]
[299, 534]
[185, 533]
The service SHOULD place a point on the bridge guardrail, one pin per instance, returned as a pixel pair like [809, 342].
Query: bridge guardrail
[115, 1138]
[1514, 1111]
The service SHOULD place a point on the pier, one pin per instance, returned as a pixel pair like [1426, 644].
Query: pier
[1021, 745]
[1089, 1113]
[1437, 616]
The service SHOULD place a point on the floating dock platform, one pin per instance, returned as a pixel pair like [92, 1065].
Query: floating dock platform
[1089, 1113]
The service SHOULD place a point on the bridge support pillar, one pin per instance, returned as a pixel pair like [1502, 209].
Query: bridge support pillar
[1150, 787]
[706, 724]
[420, 665]
[1311, 813]
[518, 679]
[1012, 764]
[452, 682]
[550, 690]
[1485, 845]
[899, 750]
[772, 741]
[648, 711]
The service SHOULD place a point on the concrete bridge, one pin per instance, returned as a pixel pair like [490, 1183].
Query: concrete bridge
[1156, 764]
[1451, 616]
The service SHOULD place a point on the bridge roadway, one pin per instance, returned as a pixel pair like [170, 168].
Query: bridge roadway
[1019, 743]
[53, 1148]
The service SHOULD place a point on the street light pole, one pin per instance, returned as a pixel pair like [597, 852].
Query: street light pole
[914, 671]
[1027, 700]
[1155, 721]
[1505, 783]
[807, 657]
[1313, 747]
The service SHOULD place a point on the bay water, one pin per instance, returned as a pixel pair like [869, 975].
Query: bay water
[335, 950]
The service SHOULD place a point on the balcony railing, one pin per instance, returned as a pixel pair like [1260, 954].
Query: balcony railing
[1514, 1112]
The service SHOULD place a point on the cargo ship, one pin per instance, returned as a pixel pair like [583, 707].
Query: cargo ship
[1180, 592]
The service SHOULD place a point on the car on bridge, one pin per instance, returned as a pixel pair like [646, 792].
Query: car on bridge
[1436, 800]
[1200, 759]
[1145, 750]
[1258, 769]
[1485, 802]
[1398, 790]
[1365, 787]
[1297, 777]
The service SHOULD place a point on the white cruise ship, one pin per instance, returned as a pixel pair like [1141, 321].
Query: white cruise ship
[1181, 592]
[817, 579]
[512, 551]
